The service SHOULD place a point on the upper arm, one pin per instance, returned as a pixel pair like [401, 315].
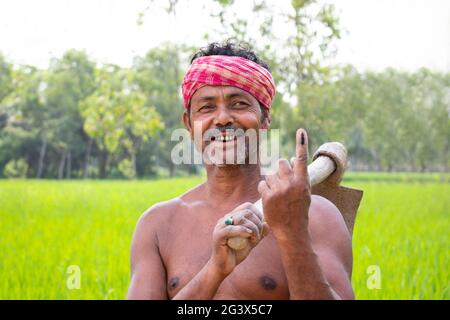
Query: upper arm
[332, 244]
[148, 275]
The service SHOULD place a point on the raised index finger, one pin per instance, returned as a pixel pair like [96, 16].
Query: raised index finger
[300, 166]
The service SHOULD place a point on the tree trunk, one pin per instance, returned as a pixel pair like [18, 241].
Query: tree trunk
[41, 157]
[192, 169]
[86, 159]
[103, 158]
[69, 165]
[389, 167]
[134, 151]
[171, 169]
[423, 167]
[133, 163]
[61, 165]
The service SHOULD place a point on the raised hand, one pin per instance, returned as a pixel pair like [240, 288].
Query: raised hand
[286, 195]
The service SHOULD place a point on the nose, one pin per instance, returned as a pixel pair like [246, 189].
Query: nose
[223, 117]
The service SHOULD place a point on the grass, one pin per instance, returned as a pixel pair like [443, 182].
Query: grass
[46, 226]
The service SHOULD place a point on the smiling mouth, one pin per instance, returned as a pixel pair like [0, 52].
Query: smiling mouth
[225, 138]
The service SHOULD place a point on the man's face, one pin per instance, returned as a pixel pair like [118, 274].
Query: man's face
[223, 114]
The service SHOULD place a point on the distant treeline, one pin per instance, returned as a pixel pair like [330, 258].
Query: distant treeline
[80, 119]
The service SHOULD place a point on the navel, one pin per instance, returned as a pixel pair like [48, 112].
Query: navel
[267, 282]
[173, 283]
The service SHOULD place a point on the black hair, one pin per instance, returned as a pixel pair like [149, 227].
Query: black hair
[231, 47]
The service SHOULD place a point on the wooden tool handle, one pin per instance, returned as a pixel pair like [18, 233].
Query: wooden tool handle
[319, 170]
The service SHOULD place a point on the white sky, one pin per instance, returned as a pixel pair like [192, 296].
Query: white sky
[405, 34]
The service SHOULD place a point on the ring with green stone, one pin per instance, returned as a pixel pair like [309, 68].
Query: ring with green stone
[229, 221]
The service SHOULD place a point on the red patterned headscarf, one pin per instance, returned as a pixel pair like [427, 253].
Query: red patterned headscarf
[218, 70]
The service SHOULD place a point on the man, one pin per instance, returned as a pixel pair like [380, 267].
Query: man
[179, 249]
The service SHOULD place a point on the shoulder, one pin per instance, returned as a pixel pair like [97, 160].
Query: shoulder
[159, 215]
[328, 230]
[151, 223]
[332, 243]
[160, 212]
[324, 215]
[173, 205]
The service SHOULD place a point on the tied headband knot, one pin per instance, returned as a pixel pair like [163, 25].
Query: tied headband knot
[233, 71]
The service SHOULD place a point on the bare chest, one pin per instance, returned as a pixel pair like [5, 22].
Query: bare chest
[187, 248]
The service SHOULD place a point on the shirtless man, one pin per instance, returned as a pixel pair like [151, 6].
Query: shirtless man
[179, 248]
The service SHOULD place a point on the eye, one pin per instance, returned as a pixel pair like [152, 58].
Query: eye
[205, 107]
[240, 104]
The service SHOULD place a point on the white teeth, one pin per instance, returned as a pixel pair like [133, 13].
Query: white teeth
[225, 138]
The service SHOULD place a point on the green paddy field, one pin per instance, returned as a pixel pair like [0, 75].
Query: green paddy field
[401, 235]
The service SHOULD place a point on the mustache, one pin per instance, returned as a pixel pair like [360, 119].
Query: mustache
[218, 131]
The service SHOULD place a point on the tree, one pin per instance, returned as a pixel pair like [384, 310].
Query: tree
[6, 86]
[298, 57]
[25, 117]
[117, 114]
[68, 81]
[159, 75]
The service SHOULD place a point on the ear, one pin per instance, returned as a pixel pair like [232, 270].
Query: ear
[187, 122]
[266, 122]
